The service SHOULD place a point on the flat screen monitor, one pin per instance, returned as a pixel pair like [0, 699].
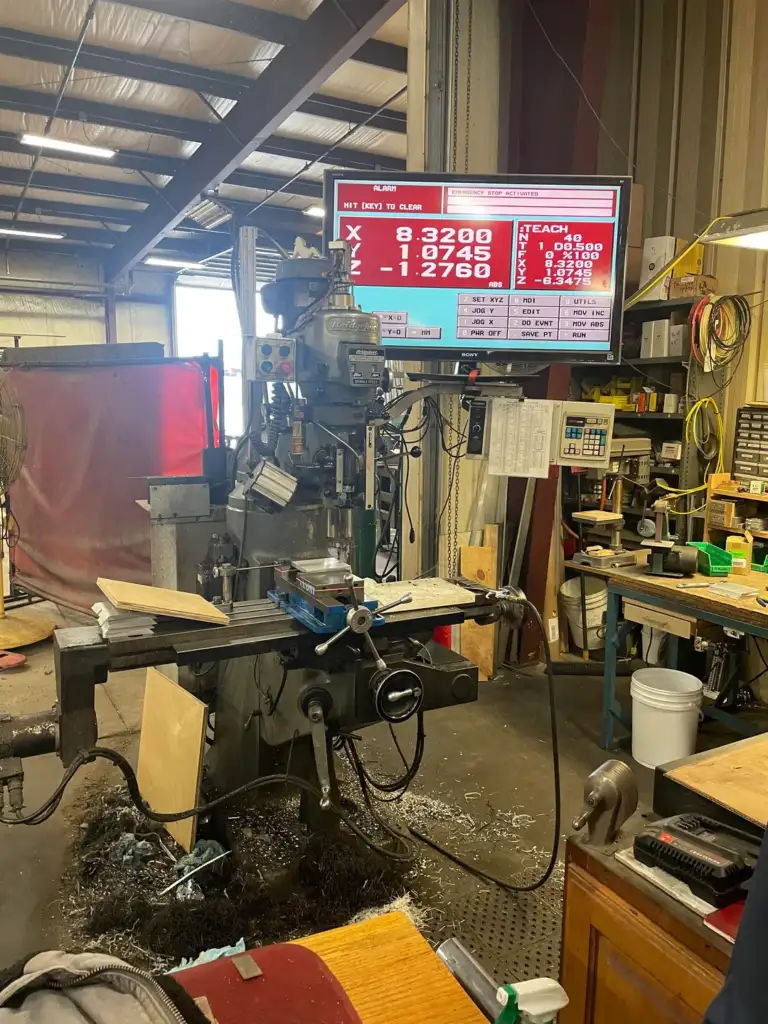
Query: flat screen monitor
[505, 267]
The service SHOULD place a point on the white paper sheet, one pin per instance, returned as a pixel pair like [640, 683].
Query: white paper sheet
[521, 437]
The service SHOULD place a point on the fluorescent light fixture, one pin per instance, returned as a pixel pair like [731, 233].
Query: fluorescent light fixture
[741, 230]
[23, 233]
[315, 211]
[209, 214]
[46, 142]
[158, 261]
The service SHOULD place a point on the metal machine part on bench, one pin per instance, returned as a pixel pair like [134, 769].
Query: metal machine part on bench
[305, 657]
[610, 800]
[612, 557]
[666, 558]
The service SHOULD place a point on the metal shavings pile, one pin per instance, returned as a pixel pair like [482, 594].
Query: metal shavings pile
[280, 882]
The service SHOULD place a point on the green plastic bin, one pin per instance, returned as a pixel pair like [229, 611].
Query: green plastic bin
[713, 561]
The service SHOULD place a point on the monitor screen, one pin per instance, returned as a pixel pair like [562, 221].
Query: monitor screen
[502, 267]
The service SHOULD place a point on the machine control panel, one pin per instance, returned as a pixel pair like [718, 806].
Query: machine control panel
[275, 359]
[585, 434]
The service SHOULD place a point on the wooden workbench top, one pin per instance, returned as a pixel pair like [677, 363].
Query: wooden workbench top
[391, 974]
[665, 587]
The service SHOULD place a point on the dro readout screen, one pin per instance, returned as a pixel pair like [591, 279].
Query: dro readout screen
[467, 266]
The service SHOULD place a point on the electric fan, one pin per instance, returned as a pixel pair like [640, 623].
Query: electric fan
[16, 629]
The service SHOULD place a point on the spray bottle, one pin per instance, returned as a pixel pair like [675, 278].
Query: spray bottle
[531, 1002]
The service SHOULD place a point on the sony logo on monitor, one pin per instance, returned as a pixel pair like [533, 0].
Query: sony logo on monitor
[469, 355]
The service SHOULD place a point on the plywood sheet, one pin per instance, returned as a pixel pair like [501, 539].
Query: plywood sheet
[171, 752]
[735, 776]
[429, 593]
[480, 564]
[134, 597]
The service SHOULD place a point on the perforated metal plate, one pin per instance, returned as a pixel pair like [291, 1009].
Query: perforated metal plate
[514, 936]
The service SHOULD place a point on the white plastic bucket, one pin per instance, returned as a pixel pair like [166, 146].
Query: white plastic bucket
[665, 715]
[595, 600]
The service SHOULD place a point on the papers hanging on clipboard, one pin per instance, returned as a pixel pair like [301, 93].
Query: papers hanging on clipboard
[521, 437]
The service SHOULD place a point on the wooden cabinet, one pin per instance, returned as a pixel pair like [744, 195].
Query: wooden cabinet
[621, 967]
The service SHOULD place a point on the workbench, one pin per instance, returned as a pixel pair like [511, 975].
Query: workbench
[631, 953]
[633, 583]
[392, 975]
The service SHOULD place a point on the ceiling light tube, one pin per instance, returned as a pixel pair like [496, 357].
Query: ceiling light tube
[158, 261]
[23, 233]
[314, 211]
[46, 142]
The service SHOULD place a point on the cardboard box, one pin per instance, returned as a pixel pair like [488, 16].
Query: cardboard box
[646, 341]
[654, 341]
[660, 338]
[679, 339]
[690, 285]
[721, 513]
[657, 252]
[671, 403]
[672, 450]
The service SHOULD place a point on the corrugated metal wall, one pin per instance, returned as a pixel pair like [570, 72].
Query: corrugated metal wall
[686, 113]
[62, 317]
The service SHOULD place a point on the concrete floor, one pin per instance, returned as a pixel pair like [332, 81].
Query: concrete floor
[499, 747]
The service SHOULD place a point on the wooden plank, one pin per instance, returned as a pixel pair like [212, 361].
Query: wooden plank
[428, 593]
[551, 612]
[480, 565]
[134, 597]
[171, 752]
[391, 975]
[735, 776]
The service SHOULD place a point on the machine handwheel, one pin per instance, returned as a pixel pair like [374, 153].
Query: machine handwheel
[398, 693]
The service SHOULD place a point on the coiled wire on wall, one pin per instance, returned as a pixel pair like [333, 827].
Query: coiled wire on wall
[720, 327]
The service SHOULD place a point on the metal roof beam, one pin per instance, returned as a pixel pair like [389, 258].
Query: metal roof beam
[269, 217]
[355, 159]
[268, 25]
[52, 50]
[74, 183]
[151, 163]
[29, 101]
[332, 34]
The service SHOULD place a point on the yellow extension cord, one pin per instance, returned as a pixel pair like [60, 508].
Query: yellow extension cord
[634, 299]
[692, 434]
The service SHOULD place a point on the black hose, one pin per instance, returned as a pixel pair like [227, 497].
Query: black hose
[47, 809]
[405, 780]
[508, 886]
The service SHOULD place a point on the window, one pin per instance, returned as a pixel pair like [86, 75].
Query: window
[206, 315]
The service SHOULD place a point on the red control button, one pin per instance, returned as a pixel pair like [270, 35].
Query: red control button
[286, 367]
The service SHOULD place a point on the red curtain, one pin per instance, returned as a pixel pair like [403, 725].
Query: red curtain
[95, 433]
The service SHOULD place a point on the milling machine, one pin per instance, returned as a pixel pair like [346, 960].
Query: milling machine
[307, 655]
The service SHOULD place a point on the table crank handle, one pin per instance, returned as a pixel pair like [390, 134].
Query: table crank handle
[322, 648]
[381, 665]
[320, 750]
[350, 581]
[405, 599]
